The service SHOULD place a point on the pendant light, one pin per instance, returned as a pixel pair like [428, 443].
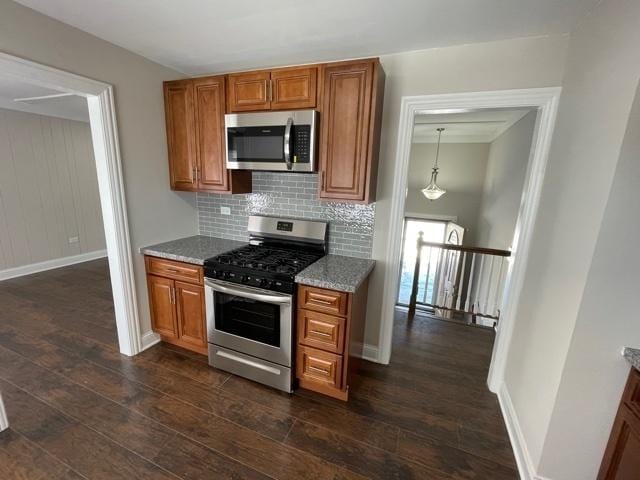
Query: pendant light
[433, 191]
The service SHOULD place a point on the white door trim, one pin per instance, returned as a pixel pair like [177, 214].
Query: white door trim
[104, 133]
[546, 101]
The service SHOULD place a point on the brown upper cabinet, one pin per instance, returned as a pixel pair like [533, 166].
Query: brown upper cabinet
[278, 89]
[194, 112]
[348, 95]
[351, 114]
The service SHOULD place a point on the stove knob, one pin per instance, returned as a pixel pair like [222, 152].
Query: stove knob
[262, 282]
[244, 279]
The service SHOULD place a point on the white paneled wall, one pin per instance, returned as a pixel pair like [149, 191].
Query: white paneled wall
[48, 190]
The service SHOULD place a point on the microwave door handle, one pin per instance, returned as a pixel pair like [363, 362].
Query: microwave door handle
[287, 143]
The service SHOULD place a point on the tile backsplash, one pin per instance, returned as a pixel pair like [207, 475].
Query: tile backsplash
[293, 195]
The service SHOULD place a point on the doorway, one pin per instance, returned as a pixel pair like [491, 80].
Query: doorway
[543, 100]
[104, 136]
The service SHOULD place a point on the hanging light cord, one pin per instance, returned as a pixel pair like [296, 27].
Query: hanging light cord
[438, 147]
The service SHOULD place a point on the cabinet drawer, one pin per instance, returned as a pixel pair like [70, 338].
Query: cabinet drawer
[321, 331]
[321, 300]
[316, 366]
[176, 270]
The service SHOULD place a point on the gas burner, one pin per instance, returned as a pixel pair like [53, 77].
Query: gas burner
[262, 266]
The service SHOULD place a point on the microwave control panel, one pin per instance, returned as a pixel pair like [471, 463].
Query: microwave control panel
[302, 143]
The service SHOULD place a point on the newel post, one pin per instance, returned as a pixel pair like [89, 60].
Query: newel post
[416, 277]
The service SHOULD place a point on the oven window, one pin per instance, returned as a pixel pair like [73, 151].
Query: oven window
[243, 317]
[256, 144]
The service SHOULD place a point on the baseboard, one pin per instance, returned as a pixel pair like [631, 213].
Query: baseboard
[50, 264]
[149, 339]
[369, 352]
[523, 458]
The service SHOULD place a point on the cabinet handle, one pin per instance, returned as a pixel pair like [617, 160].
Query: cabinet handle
[270, 86]
[324, 302]
[173, 295]
[194, 174]
[197, 174]
[321, 370]
[322, 334]
[173, 270]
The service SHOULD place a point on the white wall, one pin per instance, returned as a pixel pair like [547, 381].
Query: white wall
[462, 173]
[594, 372]
[601, 79]
[48, 189]
[519, 63]
[502, 189]
[155, 212]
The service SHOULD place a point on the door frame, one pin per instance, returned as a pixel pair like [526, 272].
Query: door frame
[546, 101]
[104, 134]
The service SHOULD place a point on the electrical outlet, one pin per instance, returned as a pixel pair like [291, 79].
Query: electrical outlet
[225, 211]
[74, 239]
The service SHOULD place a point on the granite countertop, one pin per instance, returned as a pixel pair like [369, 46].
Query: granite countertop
[633, 356]
[195, 249]
[336, 272]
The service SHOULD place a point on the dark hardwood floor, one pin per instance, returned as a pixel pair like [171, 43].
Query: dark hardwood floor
[78, 409]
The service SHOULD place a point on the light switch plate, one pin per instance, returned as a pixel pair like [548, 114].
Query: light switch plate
[74, 239]
[225, 211]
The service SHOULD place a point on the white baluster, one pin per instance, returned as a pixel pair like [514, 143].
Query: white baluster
[467, 304]
[498, 297]
[461, 281]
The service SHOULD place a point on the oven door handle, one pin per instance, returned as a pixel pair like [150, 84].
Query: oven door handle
[242, 292]
[287, 143]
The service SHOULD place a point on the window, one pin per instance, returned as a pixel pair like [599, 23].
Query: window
[433, 231]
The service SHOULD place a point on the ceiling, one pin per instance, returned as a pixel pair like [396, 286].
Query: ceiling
[70, 107]
[199, 36]
[483, 126]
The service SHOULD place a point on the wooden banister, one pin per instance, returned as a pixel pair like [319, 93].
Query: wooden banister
[463, 248]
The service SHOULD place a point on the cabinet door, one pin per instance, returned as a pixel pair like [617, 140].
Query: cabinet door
[210, 145]
[346, 116]
[622, 461]
[294, 88]
[180, 122]
[249, 91]
[191, 319]
[161, 303]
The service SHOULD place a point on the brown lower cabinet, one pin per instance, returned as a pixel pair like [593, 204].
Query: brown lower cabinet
[621, 459]
[330, 327]
[176, 302]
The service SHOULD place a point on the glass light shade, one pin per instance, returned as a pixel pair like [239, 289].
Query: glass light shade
[433, 191]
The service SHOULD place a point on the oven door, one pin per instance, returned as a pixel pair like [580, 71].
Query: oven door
[249, 320]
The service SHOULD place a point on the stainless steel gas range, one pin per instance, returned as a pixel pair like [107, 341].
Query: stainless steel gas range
[250, 298]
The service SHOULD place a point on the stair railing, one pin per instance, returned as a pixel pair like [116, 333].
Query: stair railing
[463, 280]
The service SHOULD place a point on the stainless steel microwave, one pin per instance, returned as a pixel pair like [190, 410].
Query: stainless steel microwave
[272, 141]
